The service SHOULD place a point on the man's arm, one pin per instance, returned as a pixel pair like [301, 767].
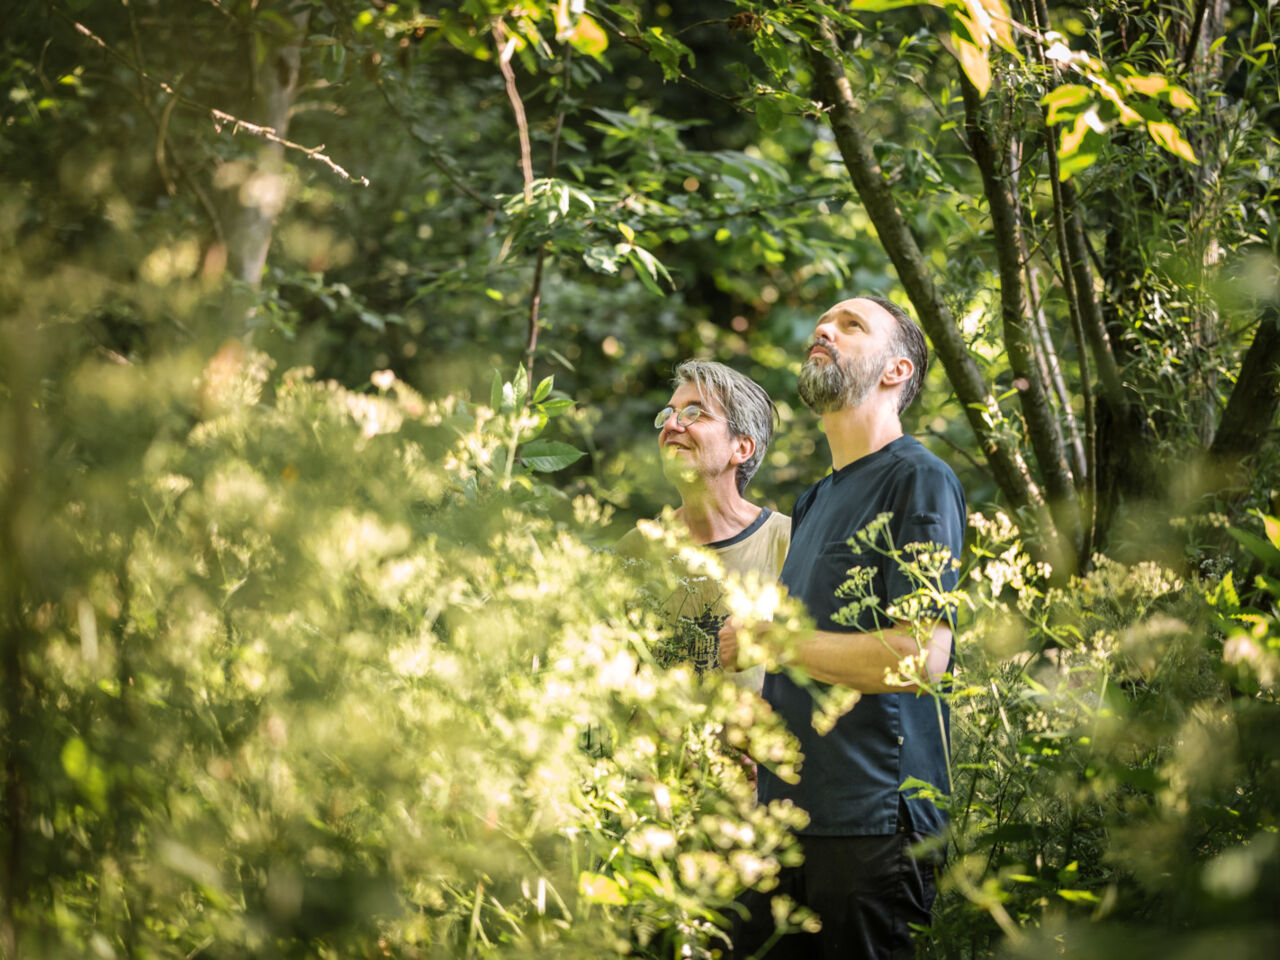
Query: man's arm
[855, 660]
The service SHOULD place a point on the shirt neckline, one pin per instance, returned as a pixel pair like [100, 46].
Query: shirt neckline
[888, 449]
[742, 534]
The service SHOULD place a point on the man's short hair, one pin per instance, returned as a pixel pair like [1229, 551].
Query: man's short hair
[907, 341]
[745, 403]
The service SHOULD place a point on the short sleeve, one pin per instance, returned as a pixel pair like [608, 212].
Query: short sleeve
[929, 509]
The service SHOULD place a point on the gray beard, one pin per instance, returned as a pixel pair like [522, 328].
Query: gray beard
[844, 382]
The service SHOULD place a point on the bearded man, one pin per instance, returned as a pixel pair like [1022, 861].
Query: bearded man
[863, 367]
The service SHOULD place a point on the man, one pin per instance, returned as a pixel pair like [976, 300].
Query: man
[863, 367]
[715, 430]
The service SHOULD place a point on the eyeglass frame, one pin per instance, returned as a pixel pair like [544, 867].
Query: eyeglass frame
[700, 411]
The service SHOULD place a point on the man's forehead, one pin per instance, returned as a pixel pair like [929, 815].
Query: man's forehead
[858, 307]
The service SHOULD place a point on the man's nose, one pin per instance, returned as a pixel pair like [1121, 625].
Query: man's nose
[825, 330]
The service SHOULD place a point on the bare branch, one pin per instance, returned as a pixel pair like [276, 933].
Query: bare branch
[220, 117]
[506, 47]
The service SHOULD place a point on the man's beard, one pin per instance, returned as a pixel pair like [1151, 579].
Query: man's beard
[843, 382]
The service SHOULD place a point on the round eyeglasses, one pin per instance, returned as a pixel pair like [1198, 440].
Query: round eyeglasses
[684, 416]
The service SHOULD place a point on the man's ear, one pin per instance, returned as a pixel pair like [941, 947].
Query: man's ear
[897, 370]
[743, 448]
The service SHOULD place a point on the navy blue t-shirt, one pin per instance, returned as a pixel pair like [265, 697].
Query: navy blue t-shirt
[850, 777]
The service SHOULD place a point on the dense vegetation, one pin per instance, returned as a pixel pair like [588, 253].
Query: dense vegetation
[331, 334]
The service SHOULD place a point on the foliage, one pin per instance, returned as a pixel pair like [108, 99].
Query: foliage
[331, 662]
[319, 686]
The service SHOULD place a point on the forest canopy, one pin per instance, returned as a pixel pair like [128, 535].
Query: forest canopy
[331, 336]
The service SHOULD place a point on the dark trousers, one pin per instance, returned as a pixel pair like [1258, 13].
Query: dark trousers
[866, 890]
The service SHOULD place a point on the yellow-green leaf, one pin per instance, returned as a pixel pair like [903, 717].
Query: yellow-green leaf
[973, 60]
[588, 38]
[1065, 101]
[1169, 137]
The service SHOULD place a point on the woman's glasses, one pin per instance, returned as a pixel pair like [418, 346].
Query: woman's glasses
[684, 416]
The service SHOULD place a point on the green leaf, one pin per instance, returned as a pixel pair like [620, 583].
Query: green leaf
[1260, 548]
[561, 359]
[544, 389]
[556, 406]
[1078, 896]
[644, 274]
[520, 386]
[597, 888]
[546, 456]
[496, 392]
[768, 114]
[75, 759]
[773, 53]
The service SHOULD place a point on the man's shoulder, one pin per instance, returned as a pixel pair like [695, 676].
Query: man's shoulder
[910, 454]
[914, 465]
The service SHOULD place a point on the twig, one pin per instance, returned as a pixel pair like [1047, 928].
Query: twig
[220, 117]
[506, 47]
[963, 452]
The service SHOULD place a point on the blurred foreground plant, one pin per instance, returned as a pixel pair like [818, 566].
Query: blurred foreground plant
[295, 670]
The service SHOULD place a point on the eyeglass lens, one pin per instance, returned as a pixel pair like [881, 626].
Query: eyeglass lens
[684, 417]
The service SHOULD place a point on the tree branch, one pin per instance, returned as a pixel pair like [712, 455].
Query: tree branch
[506, 47]
[220, 117]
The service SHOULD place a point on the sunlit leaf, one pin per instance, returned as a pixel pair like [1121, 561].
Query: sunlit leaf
[1169, 137]
[588, 38]
[547, 456]
[973, 60]
[1064, 102]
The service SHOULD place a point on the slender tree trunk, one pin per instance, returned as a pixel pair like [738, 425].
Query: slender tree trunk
[15, 633]
[1006, 462]
[1037, 408]
[260, 196]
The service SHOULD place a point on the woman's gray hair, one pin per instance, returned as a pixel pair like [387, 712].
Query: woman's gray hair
[746, 405]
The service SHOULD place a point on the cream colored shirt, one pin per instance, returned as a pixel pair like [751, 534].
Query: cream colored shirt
[695, 603]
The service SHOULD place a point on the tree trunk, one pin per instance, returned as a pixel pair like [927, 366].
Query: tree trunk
[1037, 408]
[260, 196]
[1251, 408]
